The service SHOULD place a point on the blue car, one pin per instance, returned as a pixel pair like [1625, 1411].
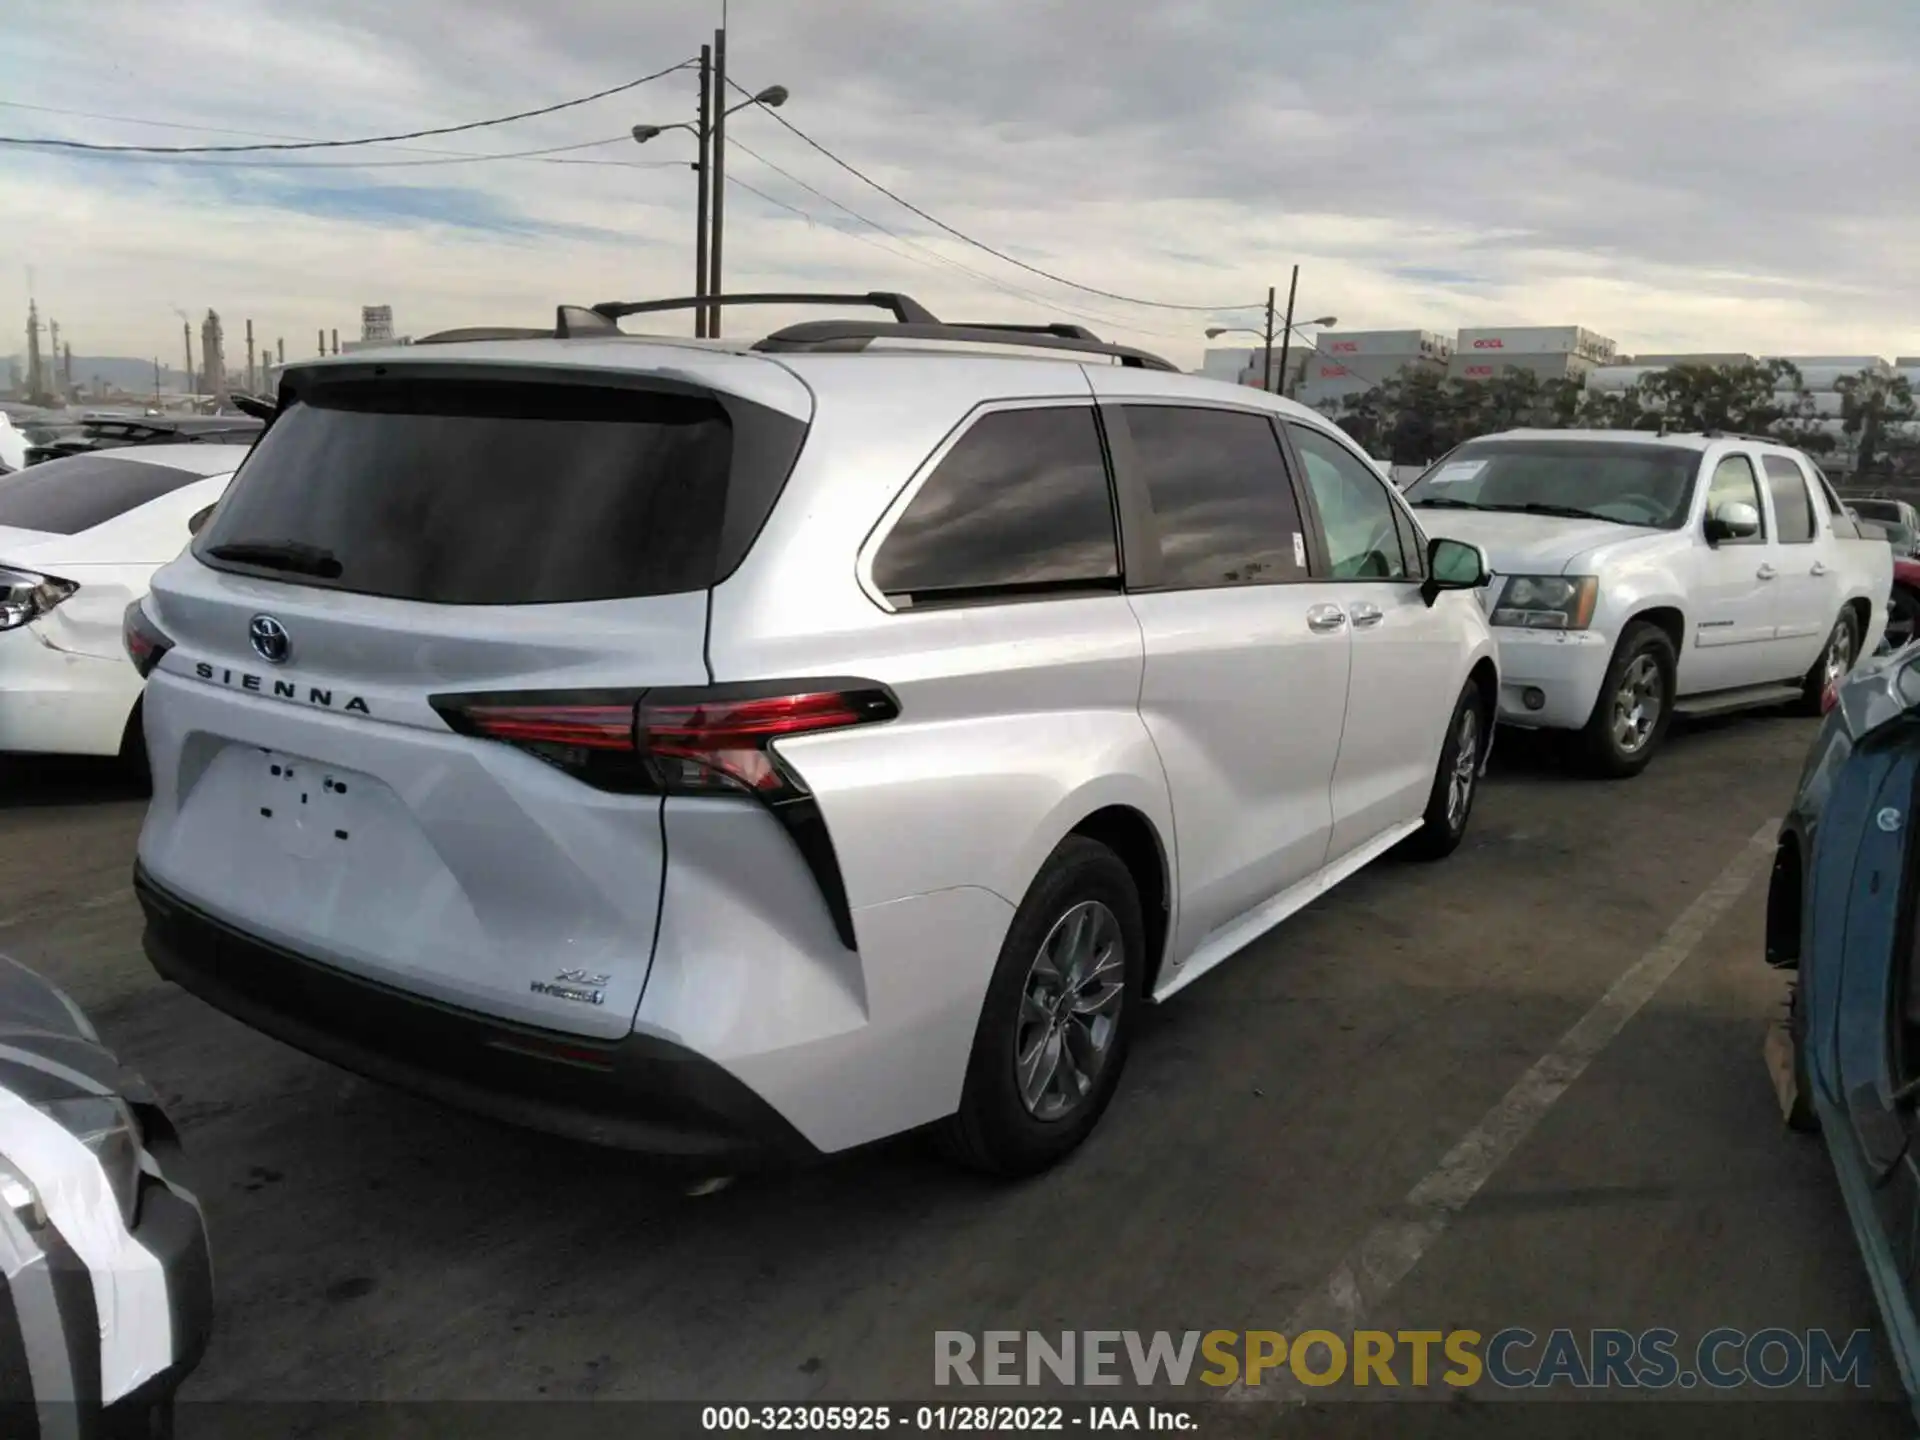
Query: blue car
[1839, 913]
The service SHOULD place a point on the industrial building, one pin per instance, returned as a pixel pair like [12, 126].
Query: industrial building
[1552, 352]
[1347, 363]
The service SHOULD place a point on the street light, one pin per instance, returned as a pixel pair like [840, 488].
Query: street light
[711, 132]
[1214, 332]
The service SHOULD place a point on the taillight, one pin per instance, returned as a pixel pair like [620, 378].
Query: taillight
[145, 642]
[26, 596]
[691, 741]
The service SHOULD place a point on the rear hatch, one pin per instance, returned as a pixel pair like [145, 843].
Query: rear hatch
[394, 732]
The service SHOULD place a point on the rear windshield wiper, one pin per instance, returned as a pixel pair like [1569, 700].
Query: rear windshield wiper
[289, 555]
[1441, 503]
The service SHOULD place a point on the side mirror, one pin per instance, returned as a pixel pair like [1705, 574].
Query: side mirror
[1736, 520]
[199, 521]
[1453, 565]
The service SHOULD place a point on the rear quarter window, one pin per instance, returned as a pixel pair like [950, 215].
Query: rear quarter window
[75, 493]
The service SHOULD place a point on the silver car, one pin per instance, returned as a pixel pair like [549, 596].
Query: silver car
[730, 749]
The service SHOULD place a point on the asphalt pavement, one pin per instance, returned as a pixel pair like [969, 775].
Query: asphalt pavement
[1558, 1030]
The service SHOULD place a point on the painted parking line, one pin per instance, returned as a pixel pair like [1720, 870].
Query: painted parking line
[1388, 1252]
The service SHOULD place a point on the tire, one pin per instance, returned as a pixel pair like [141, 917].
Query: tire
[1456, 779]
[133, 746]
[1837, 658]
[1619, 742]
[1801, 1118]
[997, 1128]
[1903, 617]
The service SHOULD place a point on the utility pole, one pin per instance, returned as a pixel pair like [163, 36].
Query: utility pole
[336, 342]
[156, 382]
[280, 350]
[1266, 358]
[719, 185]
[705, 132]
[250, 357]
[323, 342]
[1286, 334]
[186, 332]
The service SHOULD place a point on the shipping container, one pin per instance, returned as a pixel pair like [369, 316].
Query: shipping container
[1612, 379]
[1824, 403]
[1535, 340]
[1828, 377]
[1397, 344]
[1564, 365]
[1720, 358]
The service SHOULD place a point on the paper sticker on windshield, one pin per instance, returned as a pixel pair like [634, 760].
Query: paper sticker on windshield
[1299, 550]
[1454, 471]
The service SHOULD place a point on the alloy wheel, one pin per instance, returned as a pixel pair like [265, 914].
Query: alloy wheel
[1637, 704]
[1839, 655]
[1069, 1011]
[1466, 767]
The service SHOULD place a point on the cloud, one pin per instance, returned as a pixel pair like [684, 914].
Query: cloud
[1660, 173]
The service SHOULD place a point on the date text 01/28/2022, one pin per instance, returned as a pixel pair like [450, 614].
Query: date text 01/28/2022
[977, 1419]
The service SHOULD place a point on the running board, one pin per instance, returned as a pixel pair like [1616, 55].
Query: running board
[1745, 698]
[1236, 935]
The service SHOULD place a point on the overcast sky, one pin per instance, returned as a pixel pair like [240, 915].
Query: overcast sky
[1677, 174]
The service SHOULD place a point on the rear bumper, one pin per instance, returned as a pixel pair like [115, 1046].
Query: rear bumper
[56, 702]
[638, 1093]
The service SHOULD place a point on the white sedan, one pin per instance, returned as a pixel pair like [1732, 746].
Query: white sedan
[80, 537]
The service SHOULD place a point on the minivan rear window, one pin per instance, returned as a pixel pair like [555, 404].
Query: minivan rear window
[483, 492]
[77, 492]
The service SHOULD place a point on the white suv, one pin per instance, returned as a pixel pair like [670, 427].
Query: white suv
[720, 749]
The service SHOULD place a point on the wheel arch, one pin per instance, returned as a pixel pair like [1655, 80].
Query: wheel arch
[1132, 836]
[1786, 902]
[1665, 617]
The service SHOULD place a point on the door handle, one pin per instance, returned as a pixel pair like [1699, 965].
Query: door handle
[1324, 618]
[1766, 572]
[1365, 614]
[1819, 568]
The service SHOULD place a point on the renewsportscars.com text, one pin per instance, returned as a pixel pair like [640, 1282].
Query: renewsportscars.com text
[1514, 1358]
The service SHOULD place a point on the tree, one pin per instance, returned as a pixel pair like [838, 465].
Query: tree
[1869, 404]
[1721, 397]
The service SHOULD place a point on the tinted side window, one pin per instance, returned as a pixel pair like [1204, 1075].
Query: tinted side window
[1220, 495]
[1019, 504]
[1363, 539]
[66, 496]
[1792, 506]
[1843, 526]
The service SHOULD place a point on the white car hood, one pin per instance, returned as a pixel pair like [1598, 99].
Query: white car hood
[1527, 544]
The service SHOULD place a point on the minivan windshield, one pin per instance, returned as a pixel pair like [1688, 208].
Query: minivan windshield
[1629, 483]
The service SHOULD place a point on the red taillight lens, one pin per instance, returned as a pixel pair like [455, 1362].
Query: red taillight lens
[690, 741]
[1829, 697]
[723, 742]
[144, 641]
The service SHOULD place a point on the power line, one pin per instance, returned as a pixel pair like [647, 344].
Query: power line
[453, 159]
[934, 220]
[450, 156]
[342, 144]
[994, 281]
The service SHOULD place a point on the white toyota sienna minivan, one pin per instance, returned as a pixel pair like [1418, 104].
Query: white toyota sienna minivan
[736, 750]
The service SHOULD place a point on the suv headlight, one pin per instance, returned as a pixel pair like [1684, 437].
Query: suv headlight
[25, 596]
[106, 1127]
[1547, 602]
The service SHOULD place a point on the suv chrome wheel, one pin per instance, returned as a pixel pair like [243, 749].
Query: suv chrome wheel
[1637, 704]
[1839, 657]
[1068, 1008]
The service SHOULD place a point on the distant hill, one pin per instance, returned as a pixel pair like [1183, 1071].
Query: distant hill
[118, 371]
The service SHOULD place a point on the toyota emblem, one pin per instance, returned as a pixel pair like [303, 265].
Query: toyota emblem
[270, 639]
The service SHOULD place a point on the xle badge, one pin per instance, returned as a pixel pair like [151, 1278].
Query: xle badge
[576, 985]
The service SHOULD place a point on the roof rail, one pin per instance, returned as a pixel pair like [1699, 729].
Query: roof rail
[1065, 332]
[1718, 434]
[905, 308]
[859, 334]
